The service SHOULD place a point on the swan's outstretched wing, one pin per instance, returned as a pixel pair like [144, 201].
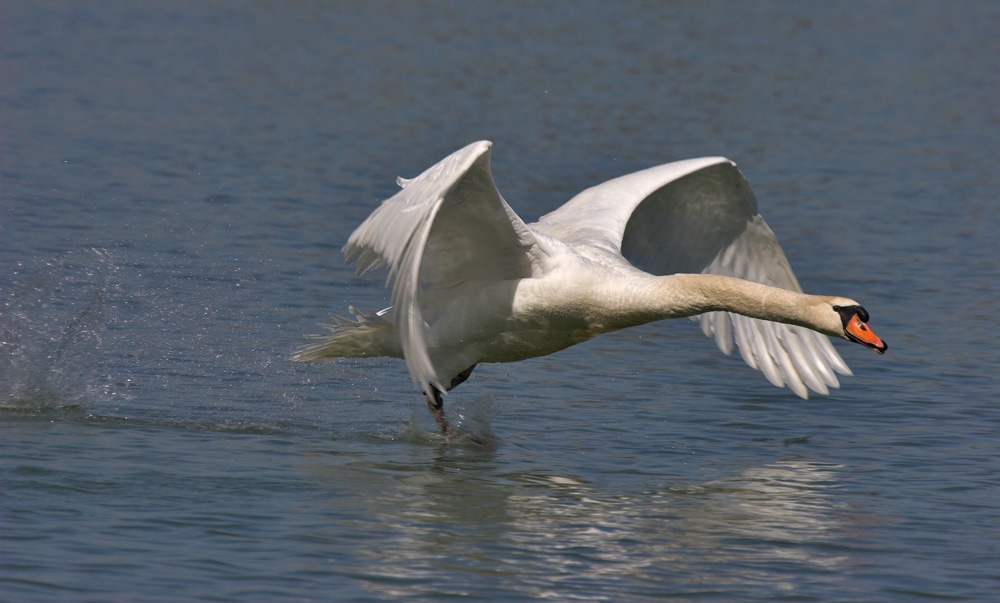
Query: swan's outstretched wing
[448, 226]
[700, 216]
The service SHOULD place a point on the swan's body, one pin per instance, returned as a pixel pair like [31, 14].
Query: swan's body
[473, 283]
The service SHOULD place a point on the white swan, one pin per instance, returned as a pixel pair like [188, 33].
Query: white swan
[471, 282]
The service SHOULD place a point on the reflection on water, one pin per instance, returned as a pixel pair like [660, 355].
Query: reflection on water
[787, 502]
[550, 536]
[779, 515]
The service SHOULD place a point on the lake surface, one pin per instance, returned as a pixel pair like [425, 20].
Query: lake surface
[178, 179]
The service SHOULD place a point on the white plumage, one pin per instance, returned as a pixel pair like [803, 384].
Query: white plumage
[471, 282]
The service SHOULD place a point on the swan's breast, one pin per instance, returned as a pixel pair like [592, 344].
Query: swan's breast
[552, 313]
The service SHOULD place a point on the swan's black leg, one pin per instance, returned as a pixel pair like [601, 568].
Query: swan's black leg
[461, 377]
[436, 404]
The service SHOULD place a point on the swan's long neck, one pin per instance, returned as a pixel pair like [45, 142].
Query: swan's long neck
[681, 295]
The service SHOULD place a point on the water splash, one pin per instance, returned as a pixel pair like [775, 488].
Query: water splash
[168, 337]
[52, 332]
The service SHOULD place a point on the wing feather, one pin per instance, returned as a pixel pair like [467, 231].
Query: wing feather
[700, 216]
[446, 227]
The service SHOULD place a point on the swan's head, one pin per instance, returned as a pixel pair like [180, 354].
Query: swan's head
[854, 325]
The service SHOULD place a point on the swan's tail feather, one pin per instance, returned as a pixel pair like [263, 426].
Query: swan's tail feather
[368, 334]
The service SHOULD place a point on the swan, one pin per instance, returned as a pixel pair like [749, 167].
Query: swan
[471, 282]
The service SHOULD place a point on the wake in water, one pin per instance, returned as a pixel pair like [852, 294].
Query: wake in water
[172, 339]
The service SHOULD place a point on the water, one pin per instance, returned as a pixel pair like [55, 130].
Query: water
[177, 181]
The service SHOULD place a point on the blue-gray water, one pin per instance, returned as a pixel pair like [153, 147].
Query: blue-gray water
[178, 178]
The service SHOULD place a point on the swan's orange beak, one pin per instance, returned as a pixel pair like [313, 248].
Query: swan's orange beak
[861, 333]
